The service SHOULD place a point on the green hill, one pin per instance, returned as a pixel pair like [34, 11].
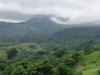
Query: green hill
[24, 49]
[90, 64]
[77, 36]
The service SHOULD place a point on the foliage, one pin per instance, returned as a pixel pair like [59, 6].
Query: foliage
[63, 70]
[12, 53]
[88, 49]
[71, 59]
[43, 68]
[60, 53]
[36, 59]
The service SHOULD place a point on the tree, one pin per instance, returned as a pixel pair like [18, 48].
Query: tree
[91, 42]
[76, 56]
[60, 53]
[63, 70]
[3, 64]
[16, 68]
[19, 71]
[78, 73]
[43, 68]
[71, 59]
[12, 53]
[87, 49]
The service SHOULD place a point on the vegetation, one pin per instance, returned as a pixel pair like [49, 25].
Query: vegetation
[35, 59]
[36, 48]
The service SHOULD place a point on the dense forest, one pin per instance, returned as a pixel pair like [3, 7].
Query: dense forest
[20, 58]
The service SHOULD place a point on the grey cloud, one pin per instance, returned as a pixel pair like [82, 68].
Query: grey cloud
[77, 10]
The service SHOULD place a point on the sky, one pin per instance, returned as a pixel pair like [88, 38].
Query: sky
[79, 11]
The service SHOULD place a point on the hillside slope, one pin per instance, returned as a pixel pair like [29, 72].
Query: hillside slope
[90, 64]
[77, 36]
[24, 49]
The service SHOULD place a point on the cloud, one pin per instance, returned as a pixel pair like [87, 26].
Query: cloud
[79, 11]
[11, 20]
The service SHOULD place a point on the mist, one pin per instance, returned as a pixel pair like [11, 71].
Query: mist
[78, 11]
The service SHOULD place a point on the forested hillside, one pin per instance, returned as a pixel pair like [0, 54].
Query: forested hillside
[77, 36]
[35, 59]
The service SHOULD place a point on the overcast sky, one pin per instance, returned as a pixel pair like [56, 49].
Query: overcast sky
[77, 10]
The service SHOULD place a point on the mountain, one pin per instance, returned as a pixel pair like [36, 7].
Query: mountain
[43, 28]
[39, 24]
[45, 24]
[90, 32]
[76, 37]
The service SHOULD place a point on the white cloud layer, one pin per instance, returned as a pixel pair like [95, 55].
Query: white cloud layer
[11, 20]
[79, 11]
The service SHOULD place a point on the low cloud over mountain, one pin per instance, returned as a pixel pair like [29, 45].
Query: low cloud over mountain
[79, 11]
